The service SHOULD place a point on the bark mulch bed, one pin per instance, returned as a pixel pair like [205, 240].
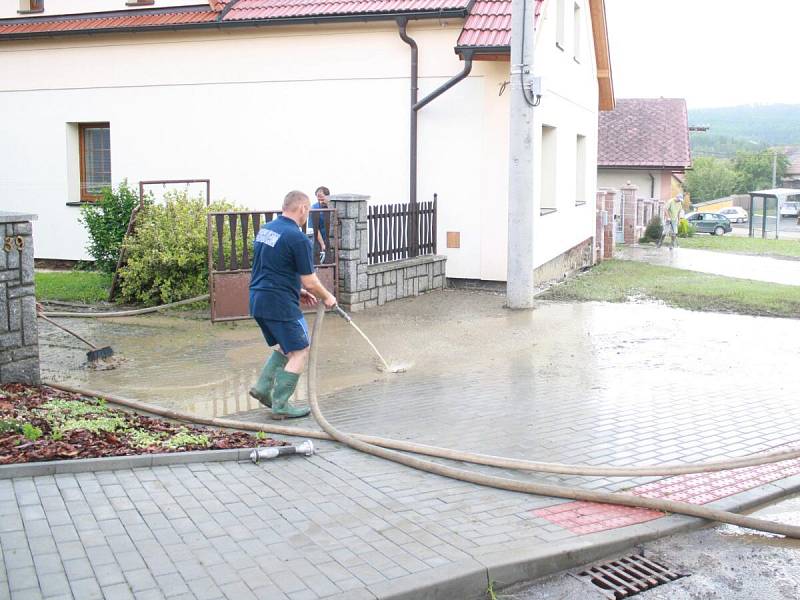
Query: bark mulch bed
[38, 423]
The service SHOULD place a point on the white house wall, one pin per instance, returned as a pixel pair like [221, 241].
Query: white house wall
[258, 112]
[262, 111]
[617, 178]
[569, 103]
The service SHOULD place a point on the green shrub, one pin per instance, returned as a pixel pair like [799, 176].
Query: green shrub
[654, 230]
[686, 229]
[107, 221]
[167, 257]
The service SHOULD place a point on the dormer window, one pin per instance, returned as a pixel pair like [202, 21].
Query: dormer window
[31, 6]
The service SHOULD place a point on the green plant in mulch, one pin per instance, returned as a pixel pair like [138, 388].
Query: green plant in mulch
[31, 432]
[41, 423]
[184, 438]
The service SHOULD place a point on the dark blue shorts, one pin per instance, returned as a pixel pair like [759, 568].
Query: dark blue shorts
[289, 335]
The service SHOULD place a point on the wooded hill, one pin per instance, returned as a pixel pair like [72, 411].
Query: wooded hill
[736, 128]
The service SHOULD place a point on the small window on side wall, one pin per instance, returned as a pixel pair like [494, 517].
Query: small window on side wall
[560, 23]
[95, 159]
[139, 2]
[31, 6]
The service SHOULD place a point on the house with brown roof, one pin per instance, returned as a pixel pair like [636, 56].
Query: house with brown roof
[395, 99]
[791, 179]
[644, 142]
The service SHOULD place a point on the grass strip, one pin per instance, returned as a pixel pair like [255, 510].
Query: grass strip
[621, 280]
[744, 245]
[72, 286]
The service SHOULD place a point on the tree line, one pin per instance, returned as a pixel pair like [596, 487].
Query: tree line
[711, 177]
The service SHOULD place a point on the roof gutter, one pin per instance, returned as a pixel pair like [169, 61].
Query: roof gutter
[416, 105]
[456, 13]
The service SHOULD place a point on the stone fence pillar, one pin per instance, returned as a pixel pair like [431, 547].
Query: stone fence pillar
[362, 285]
[19, 345]
[351, 210]
[609, 242]
[630, 215]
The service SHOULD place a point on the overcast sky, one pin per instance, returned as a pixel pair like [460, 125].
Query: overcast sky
[711, 52]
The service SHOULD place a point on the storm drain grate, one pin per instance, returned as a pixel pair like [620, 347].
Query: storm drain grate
[627, 576]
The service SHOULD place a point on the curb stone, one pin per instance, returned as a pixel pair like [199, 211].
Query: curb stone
[112, 463]
[468, 580]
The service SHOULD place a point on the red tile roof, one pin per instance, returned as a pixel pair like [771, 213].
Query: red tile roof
[131, 19]
[645, 132]
[244, 10]
[489, 24]
[275, 9]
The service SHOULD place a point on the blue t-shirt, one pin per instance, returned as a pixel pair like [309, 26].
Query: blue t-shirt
[281, 254]
[319, 219]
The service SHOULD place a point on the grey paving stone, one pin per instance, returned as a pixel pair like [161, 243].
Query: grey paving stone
[116, 591]
[287, 581]
[78, 569]
[27, 594]
[140, 580]
[47, 564]
[55, 584]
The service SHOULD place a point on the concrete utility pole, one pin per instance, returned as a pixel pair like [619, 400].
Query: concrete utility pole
[774, 166]
[519, 290]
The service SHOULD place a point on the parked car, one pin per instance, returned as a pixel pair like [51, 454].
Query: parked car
[713, 223]
[735, 214]
[790, 208]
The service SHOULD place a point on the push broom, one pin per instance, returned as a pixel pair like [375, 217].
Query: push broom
[92, 355]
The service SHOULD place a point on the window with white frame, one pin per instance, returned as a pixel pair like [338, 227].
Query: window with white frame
[560, 23]
[549, 175]
[580, 170]
[576, 31]
[31, 6]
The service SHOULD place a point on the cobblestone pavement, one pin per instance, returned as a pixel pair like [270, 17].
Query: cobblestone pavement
[741, 266]
[587, 383]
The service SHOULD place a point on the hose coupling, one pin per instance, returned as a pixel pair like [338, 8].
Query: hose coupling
[305, 448]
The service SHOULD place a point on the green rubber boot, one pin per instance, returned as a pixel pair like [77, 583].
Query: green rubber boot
[262, 390]
[285, 384]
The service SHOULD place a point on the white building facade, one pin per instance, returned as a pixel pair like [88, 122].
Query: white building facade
[263, 106]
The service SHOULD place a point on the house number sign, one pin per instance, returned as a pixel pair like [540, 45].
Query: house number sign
[14, 242]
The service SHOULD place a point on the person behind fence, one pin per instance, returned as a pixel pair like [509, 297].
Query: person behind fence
[318, 223]
[672, 217]
[282, 280]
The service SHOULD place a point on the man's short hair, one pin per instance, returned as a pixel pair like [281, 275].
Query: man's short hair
[323, 189]
[294, 199]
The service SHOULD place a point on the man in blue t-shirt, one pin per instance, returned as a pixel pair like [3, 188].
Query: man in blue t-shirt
[282, 279]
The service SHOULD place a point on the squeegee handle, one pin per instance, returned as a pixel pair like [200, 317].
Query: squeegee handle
[69, 331]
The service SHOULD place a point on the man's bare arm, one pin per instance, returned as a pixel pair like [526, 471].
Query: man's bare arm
[314, 285]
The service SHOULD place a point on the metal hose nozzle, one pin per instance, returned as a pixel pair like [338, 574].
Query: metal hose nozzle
[340, 311]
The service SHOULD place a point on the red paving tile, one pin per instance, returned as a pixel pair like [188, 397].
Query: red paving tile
[697, 488]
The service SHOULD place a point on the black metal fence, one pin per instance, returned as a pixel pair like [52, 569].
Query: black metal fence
[398, 231]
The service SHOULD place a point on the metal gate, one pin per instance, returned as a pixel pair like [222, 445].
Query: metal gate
[230, 256]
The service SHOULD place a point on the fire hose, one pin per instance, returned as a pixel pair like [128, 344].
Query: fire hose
[391, 450]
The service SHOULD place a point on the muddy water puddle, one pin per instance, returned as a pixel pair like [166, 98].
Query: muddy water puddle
[207, 368]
